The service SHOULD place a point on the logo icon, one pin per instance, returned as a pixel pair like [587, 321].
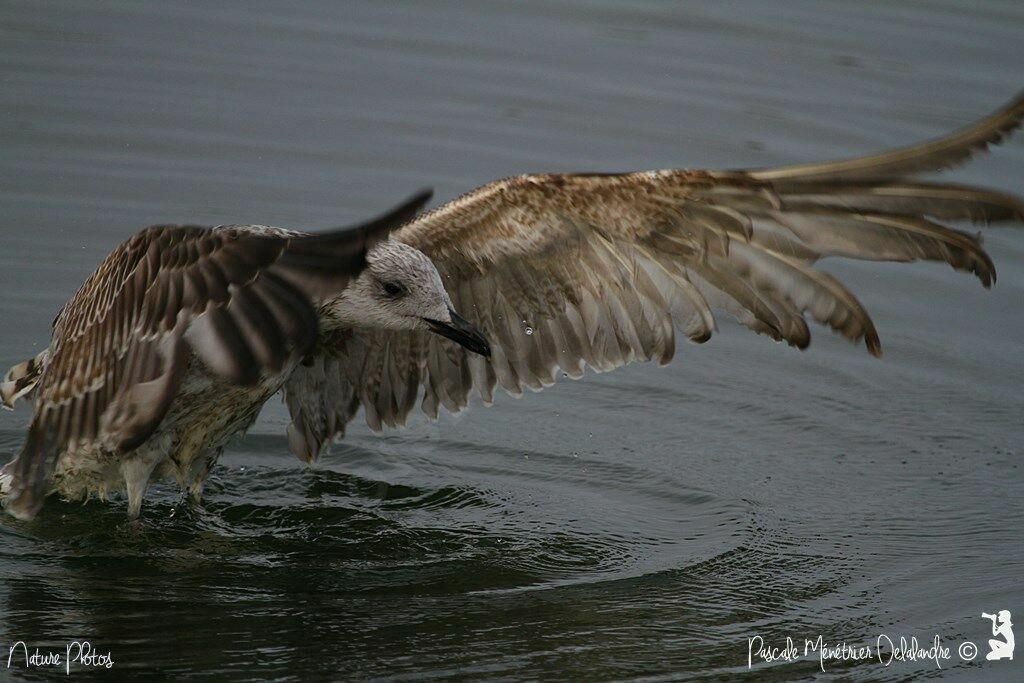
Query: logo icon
[1001, 626]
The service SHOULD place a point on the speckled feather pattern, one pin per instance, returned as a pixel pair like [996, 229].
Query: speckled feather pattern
[562, 272]
[568, 271]
[173, 308]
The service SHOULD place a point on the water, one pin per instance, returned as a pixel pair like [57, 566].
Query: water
[643, 523]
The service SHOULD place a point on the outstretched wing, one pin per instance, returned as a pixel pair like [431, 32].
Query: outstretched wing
[567, 271]
[240, 297]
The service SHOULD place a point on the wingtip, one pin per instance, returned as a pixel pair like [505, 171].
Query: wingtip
[874, 344]
[383, 223]
[399, 215]
[929, 156]
[422, 196]
[1015, 103]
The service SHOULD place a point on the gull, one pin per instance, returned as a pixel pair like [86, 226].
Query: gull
[182, 334]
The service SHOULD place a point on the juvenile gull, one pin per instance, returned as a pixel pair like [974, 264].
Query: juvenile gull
[562, 271]
[177, 340]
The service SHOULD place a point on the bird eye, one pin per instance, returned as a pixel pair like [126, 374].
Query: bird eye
[393, 288]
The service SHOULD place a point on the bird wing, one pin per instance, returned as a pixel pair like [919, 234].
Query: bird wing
[566, 271]
[322, 393]
[240, 297]
[927, 157]
[20, 381]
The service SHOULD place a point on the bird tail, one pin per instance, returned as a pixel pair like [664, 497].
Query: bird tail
[21, 379]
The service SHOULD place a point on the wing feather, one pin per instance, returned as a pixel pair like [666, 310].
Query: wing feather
[240, 297]
[564, 271]
[927, 157]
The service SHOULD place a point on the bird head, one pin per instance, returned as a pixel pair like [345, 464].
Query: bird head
[400, 289]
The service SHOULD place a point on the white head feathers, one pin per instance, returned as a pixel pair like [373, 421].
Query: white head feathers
[399, 289]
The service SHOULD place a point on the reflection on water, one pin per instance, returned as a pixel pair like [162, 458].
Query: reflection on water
[645, 522]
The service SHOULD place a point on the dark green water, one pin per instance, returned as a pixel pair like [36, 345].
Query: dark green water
[637, 525]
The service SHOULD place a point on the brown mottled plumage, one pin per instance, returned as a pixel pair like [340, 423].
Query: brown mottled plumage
[566, 271]
[238, 298]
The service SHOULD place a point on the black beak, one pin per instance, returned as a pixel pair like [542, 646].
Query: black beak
[462, 332]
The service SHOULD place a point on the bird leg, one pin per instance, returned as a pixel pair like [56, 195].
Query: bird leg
[136, 472]
[199, 471]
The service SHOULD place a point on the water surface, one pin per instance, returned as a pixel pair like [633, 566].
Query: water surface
[643, 523]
